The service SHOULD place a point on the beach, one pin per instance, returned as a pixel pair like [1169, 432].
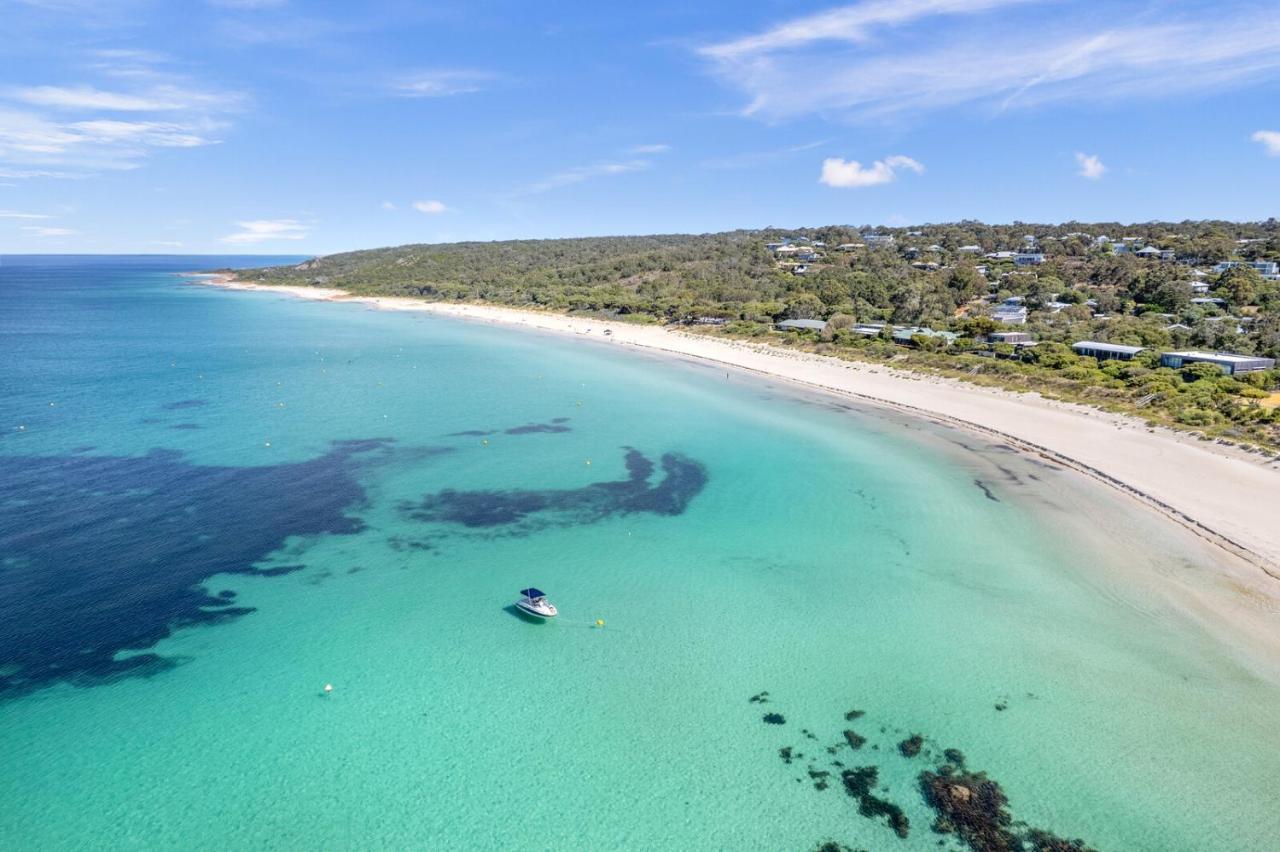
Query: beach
[1222, 493]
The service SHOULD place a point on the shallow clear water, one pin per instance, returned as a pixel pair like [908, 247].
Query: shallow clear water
[237, 498]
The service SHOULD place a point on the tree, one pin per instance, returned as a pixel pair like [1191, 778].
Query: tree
[1240, 284]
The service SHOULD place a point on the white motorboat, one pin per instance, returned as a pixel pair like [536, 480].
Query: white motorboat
[534, 602]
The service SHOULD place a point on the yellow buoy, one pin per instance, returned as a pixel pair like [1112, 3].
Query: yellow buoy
[599, 622]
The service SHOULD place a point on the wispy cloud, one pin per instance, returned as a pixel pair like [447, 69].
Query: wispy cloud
[85, 128]
[41, 231]
[388, 205]
[649, 149]
[267, 230]
[430, 207]
[14, 214]
[441, 83]
[853, 24]
[835, 63]
[755, 158]
[850, 174]
[160, 99]
[1269, 139]
[1091, 167]
[568, 177]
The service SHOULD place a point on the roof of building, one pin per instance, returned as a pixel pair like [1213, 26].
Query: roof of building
[1223, 357]
[1107, 347]
[814, 325]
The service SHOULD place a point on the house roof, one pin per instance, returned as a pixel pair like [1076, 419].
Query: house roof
[811, 324]
[1107, 347]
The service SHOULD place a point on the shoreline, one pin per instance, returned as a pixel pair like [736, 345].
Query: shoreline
[1221, 494]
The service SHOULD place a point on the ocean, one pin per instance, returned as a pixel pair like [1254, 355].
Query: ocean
[214, 503]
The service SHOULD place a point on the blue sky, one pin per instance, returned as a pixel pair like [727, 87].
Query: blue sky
[282, 126]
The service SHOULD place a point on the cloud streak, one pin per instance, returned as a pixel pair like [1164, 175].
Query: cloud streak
[850, 174]
[431, 208]
[267, 230]
[569, 177]
[834, 64]
[442, 83]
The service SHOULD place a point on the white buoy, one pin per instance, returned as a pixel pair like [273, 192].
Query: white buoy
[328, 687]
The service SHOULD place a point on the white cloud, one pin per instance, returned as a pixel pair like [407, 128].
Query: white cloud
[834, 63]
[267, 230]
[569, 177]
[850, 174]
[430, 207]
[388, 205]
[441, 83]
[167, 243]
[14, 214]
[1090, 166]
[1269, 139]
[40, 231]
[649, 149]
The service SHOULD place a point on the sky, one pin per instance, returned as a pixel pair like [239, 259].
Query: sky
[292, 127]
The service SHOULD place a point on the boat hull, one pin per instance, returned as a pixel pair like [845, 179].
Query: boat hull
[529, 610]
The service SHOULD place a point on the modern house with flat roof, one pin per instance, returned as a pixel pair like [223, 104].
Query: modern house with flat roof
[1106, 351]
[802, 325]
[1014, 337]
[1229, 363]
[1028, 258]
[1010, 315]
[1267, 268]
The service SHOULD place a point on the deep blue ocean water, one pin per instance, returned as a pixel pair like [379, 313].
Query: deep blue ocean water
[214, 503]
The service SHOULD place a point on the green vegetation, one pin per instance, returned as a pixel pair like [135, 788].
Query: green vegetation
[1084, 289]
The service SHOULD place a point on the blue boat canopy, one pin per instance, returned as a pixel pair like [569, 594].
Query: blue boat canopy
[533, 593]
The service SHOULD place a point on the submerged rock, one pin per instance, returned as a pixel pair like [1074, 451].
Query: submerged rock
[774, 719]
[911, 746]
[854, 714]
[759, 698]
[859, 784]
[854, 739]
[973, 807]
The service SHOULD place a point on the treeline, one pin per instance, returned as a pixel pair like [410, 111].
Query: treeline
[922, 279]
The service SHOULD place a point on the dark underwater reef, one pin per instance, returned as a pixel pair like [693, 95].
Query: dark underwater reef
[525, 510]
[101, 555]
[968, 806]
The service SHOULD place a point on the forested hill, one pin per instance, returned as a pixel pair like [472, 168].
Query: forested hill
[922, 277]
[650, 274]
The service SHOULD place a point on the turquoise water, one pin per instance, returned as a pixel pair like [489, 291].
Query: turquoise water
[189, 557]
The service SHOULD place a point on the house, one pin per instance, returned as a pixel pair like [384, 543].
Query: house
[1199, 287]
[806, 255]
[1210, 300]
[969, 250]
[868, 329]
[1266, 268]
[1106, 351]
[709, 321]
[1168, 255]
[800, 269]
[1010, 315]
[907, 335]
[1017, 338]
[819, 244]
[1177, 326]
[1002, 255]
[1148, 253]
[878, 240]
[1028, 258]
[1229, 363]
[801, 325]
[786, 249]
[848, 246]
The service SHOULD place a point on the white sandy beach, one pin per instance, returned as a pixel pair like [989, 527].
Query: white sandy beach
[1224, 494]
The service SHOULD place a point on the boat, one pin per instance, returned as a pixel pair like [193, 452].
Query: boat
[534, 602]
